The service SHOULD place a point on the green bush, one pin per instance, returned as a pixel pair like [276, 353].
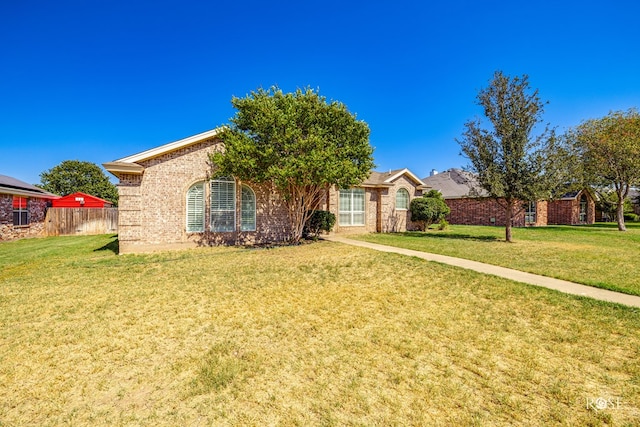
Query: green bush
[443, 224]
[630, 216]
[318, 222]
[428, 209]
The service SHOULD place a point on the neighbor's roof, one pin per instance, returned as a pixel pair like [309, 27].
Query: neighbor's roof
[385, 179]
[73, 196]
[129, 164]
[10, 185]
[455, 184]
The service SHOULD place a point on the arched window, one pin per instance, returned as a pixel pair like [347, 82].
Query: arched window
[248, 209]
[223, 205]
[402, 199]
[195, 208]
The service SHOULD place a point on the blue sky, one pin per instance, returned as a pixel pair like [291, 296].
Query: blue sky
[97, 80]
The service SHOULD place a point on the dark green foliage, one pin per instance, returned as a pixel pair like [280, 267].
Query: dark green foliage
[71, 176]
[298, 142]
[630, 216]
[428, 209]
[318, 222]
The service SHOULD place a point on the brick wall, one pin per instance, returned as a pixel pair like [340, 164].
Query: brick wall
[37, 210]
[568, 211]
[485, 211]
[152, 207]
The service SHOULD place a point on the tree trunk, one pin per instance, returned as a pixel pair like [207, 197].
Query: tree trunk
[620, 215]
[509, 215]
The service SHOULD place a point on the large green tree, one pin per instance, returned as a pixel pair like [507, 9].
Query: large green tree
[298, 142]
[610, 150]
[515, 161]
[71, 176]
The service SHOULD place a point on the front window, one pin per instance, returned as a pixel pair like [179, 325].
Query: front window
[20, 211]
[402, 199]
[530, 213]
[352, 206]
[223, 205]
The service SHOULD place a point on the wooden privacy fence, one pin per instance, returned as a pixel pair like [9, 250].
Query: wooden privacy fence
[81, 221]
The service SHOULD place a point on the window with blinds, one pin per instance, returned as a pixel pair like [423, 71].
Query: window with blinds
[248, 209]
[351, 209]
[402, 199]
[223, 205]
[195, 208]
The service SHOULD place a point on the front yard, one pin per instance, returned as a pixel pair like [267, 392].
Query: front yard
[596, 255]
[319, 334]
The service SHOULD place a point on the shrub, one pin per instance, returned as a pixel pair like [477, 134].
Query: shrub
[443, 224]
[428, 209]
[630, 216]
[318, 222]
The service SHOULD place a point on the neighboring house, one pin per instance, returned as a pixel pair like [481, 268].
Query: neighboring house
[81, 200]
[470, 204]
[22, 208]
[167, 199]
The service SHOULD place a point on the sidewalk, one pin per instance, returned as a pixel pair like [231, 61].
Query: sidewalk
[507, 273]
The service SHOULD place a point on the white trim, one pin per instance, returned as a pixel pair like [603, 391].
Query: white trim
[404, 171]
[172, 146]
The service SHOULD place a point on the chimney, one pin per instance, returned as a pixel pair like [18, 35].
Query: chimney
[433, 172]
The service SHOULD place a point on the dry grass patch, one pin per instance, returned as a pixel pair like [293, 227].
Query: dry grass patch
[323, 334]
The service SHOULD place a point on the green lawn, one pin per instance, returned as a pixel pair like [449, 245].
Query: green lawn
[596, 255]
[318, 334]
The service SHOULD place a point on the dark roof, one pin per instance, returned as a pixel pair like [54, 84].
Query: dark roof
[10, 185]
[455, 184]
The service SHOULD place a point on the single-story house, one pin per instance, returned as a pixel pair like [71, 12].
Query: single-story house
[470, 204]
[167, 199]
[81, 200]
[22, 208]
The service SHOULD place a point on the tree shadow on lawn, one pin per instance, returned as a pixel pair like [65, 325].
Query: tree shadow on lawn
[453, 236]
[613, 225]
[112, 246]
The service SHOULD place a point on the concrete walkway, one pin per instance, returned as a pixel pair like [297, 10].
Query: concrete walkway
[507, 273]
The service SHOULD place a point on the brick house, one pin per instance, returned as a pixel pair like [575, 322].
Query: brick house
[470, 204]
[23, 208]
[168, 200]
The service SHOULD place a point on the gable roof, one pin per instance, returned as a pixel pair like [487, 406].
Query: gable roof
[129, 164]
[385, 179]
[456, 184]
[10, 185]
[84, 196]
